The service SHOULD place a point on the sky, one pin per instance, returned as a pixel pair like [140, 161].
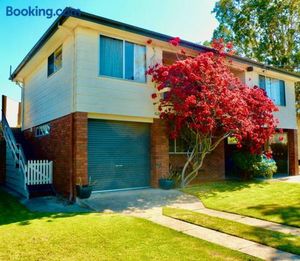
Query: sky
[191, 20]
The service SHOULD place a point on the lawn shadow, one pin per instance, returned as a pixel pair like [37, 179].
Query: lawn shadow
[289, 215]
[23, 218]
[281, 241]
[211, 189]
[12, 211]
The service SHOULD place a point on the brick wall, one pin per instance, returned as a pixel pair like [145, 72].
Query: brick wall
[293, 152]
[159, 152]
[66, 145]
[80, 141]
[213, 166]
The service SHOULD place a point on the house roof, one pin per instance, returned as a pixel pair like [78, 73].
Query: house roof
[71, 12]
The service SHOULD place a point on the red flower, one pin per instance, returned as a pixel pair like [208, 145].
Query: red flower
[205, 96]
[269, 154]
[175, 41]
[165, 73]
[149, 41]
[154, 95]
[229, 45]
[281, 138]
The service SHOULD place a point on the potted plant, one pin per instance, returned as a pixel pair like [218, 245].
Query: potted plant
[84, 191]
[168, 182]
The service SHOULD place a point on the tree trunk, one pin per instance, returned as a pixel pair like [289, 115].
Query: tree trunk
[202, 147]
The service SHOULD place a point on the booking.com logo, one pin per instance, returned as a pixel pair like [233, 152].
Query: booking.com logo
[36, 11]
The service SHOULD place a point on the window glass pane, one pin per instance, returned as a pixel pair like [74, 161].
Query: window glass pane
[282, 93]
[139, 63]
[171, 145]
[50, 64]
[181, 145]
[42, 130]
[262, 82]
[57, 59]
[275, 91]
[111, 57]
[268, 85]
[129, 65]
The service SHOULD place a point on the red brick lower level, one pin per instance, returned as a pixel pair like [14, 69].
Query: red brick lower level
[159, 152]
[293, 152]
[67, 142]
[213, 168]
[66, 145]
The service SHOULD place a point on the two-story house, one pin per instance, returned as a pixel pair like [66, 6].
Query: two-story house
[86, 105]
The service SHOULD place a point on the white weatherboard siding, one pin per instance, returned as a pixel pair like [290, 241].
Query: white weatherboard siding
[96, 94]
[77, 86]
[47, 98]
[286, 114]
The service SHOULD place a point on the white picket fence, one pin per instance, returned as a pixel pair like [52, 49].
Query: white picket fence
[39, 172]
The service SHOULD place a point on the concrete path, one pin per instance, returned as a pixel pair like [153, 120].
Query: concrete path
[294, 179]
[148, 204]
[232, 242]
[199, 207]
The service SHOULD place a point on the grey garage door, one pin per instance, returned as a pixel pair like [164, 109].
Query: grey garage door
[118, 154]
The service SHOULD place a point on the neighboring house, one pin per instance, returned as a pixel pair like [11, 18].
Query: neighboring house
[86, 105]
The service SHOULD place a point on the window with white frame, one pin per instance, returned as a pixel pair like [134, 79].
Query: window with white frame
[55, 61]
[178, 146]
[42, 130]
[274, 88]
[122, 59]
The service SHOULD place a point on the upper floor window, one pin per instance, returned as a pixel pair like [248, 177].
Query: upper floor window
[55, 61]
[274, 88]
[122, 59]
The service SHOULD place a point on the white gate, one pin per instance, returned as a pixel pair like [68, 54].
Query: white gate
[39, 172]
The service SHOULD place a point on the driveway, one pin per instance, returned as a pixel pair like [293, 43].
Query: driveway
[136, 200]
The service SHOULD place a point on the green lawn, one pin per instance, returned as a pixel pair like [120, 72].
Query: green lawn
[274, 201]
[30, 236]
[285, 242]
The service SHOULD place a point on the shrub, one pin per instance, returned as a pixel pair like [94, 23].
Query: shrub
[265, 167]
[254, 165]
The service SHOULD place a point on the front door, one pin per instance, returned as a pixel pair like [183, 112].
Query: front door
[279, 146]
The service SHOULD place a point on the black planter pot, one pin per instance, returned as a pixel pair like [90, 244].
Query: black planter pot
[84, 191]
[166, 183]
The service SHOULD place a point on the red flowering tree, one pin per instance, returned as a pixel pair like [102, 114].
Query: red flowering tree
[203, 96]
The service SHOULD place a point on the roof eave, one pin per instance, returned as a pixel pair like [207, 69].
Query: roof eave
[133, 29]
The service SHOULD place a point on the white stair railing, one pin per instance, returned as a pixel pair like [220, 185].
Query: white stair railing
[34, 172]
[15, 148]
